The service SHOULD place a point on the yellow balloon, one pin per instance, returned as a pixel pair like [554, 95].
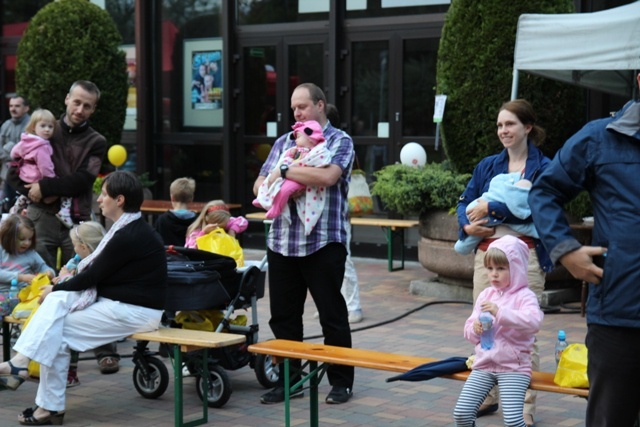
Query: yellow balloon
[117, 155]
[262, 152]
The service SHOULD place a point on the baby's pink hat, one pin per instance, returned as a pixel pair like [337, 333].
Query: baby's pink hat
[311, 128]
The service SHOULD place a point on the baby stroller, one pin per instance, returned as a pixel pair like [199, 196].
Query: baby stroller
[200, 280]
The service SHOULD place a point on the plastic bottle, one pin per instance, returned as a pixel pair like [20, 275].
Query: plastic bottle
[72, 264]
[486, 339]
[13, 293]
[561, 344]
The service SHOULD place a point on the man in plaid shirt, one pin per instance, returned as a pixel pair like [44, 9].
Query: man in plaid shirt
[314, 263]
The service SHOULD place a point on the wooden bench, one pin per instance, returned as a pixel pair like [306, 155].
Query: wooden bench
[283, 350]
[183, 340]
[393, 228]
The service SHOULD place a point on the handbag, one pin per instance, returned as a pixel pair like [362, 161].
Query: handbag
[572, 368]
[219, 242]
[359, 196]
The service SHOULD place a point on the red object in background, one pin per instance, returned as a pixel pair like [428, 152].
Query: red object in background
[12, 30]
[15, 29]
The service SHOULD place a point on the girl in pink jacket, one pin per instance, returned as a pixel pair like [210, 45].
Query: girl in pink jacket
[33, 158]
[214, 214]
[516, 319]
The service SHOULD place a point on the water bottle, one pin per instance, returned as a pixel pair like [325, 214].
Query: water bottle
[13, 293]
[561, 344]
[72, 264]
[486, 339]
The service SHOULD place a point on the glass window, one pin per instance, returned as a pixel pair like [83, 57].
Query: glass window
[123, 14]
[201, 162]
[383, 8]
[306, 65]
[370, 79]
[260, 89]
[21, 11]
[278, 11]
[15, 19]
[185, 30]
[418, 88]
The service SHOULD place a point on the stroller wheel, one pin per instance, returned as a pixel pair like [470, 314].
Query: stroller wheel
[154, 384]
[219, 390]
[266, 372]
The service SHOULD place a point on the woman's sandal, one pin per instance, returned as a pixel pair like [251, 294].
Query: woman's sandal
[13, 380]
[28, 419]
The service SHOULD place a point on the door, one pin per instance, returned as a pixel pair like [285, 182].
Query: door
[270, 69]
[392, 95]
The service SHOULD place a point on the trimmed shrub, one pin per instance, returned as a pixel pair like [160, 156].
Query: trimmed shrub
[415, 190]
[71, 40]
[475, 69]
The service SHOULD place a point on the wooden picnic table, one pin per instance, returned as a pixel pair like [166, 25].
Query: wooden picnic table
[393, 228]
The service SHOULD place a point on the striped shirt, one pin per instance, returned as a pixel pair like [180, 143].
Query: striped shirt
[289, 239]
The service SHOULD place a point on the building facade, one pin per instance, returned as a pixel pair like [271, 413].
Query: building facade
[211, 79]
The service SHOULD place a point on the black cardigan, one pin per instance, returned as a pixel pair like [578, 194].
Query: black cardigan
[132, 268]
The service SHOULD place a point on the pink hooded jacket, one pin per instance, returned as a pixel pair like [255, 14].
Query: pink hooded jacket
[34, 157]
[519, 316]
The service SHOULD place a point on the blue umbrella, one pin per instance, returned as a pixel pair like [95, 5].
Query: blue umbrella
[431, 370]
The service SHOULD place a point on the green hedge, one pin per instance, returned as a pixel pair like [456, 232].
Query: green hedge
[415, 190]
[475, 69]
[71, 40]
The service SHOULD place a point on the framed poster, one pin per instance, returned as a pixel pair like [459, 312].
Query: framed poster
[202, 93]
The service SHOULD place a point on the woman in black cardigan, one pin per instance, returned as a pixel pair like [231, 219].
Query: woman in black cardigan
[118, 291]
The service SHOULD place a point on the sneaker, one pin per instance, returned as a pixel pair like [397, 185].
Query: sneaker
[109, 365]
[339, 395]
[277, 395]
[355, 316]
[72, 378]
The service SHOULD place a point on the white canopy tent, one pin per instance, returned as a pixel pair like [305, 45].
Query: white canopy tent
[598, 50]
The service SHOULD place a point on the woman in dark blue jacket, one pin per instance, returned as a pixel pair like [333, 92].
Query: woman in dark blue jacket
[520, 136]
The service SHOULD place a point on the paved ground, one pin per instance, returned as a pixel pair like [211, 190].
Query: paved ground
[431, 329]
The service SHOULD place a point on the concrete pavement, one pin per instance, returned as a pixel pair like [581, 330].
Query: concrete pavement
[432, 329]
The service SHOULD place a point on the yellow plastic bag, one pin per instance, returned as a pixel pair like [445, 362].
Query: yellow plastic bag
[206, 320]
[30, 305]
[572, 368]
[192, 319]
[219, 242]
[29, 297]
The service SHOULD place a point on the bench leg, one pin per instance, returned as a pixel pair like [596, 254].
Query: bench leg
[314, 377]
[313, 394]
[178, 389]
[287, 393]
[391, 235]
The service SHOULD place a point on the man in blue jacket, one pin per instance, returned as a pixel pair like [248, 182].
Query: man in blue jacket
[603, 158]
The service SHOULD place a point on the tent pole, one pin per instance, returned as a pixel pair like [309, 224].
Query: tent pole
[514, 84]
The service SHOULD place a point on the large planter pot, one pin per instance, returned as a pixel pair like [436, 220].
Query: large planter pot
[438, 234]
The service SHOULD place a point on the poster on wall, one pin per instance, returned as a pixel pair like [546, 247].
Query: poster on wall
[203, 82]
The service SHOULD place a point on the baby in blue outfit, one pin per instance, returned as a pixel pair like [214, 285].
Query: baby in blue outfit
[509, 189]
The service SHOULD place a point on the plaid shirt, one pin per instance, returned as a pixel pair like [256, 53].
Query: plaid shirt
[289, 239]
